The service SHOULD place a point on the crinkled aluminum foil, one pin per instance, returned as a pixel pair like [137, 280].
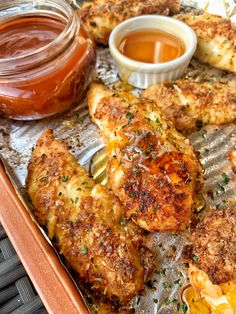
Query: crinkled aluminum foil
[162, 294]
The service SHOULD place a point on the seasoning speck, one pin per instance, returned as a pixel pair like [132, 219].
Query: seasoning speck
[65, 178]
[84, 249]
[43, 179]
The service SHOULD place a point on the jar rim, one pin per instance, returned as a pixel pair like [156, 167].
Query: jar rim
[60, 10]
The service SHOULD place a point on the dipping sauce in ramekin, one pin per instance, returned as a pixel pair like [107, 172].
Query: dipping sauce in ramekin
[151, 46]
[151, 49]
[46, 59]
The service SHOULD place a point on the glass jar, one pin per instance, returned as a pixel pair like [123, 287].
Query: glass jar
[46, 58]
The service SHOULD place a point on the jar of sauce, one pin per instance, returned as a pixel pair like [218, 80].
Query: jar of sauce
[46, 58]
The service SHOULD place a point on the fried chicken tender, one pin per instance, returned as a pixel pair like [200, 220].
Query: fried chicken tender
[216, 40]
[214, 246]
[190, 104]
[86, 222]
[100, 17]
[152, 168]
[215, 299]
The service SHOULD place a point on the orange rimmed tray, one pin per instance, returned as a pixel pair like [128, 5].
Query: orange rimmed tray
[52, 282]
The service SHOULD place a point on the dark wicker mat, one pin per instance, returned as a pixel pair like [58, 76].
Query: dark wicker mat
[17, 294]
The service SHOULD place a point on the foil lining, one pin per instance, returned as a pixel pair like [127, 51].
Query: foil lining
[162, 294]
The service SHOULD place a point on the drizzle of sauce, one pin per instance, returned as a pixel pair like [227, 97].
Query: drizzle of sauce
[151, 46]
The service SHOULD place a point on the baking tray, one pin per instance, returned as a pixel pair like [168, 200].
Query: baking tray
[59, 293]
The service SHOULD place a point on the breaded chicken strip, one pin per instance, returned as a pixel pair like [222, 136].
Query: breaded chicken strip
[214, 246]
[86, 222]
[151, 168]
[212, 259]
[190, 104]
[100, 17]
[216, 39]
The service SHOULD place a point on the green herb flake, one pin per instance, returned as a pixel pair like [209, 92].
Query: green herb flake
[225, 41]
[163, 272]
[151, 147]
[65, 178]
[43, 179]
[84, 249]
[78, 118]
[177, 281]
[76, 200]
[156, 208]
[184, 307]
[147, 119]
[225, 177]
[78, 189]
[123, 221]
[157, 120]
[129, 115]
[85, 182]
[135, 169]
[100, 243]
[195, 259]
[72, 201]
[155, 300]
[167, 301]
[167, 285]
[131, 195]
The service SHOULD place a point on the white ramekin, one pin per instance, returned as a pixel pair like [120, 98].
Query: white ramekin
[143, 75]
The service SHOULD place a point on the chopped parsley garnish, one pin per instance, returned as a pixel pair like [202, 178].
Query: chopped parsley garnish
[195, 259]
[184, 307]
[155, 300]
[156, 208]
[76, 200]
[147, 119]
[167, 285]
[151, 147]
[78, 119]
[100, 243]
[85, 182]
[131, 195]
[167, 301]
[84, 249]
[157, 121]
[129, 115]
[135, 169]
[65, 178]
[163, 272]
[78, 189]
[123, 221]
[177, 281]
[225, 177]
[43, 179]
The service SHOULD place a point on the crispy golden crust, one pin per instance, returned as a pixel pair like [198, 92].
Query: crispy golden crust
[214, 245]
[216, 39]
[101, 16]
[189, 103]
[152, 168]
[86, 222]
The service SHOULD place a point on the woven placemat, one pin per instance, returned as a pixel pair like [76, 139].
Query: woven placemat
[17, 294]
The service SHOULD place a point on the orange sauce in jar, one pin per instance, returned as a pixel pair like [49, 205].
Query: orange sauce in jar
[151, 46]
[46, 86]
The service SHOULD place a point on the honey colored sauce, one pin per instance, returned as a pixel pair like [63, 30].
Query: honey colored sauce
[151, 46]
